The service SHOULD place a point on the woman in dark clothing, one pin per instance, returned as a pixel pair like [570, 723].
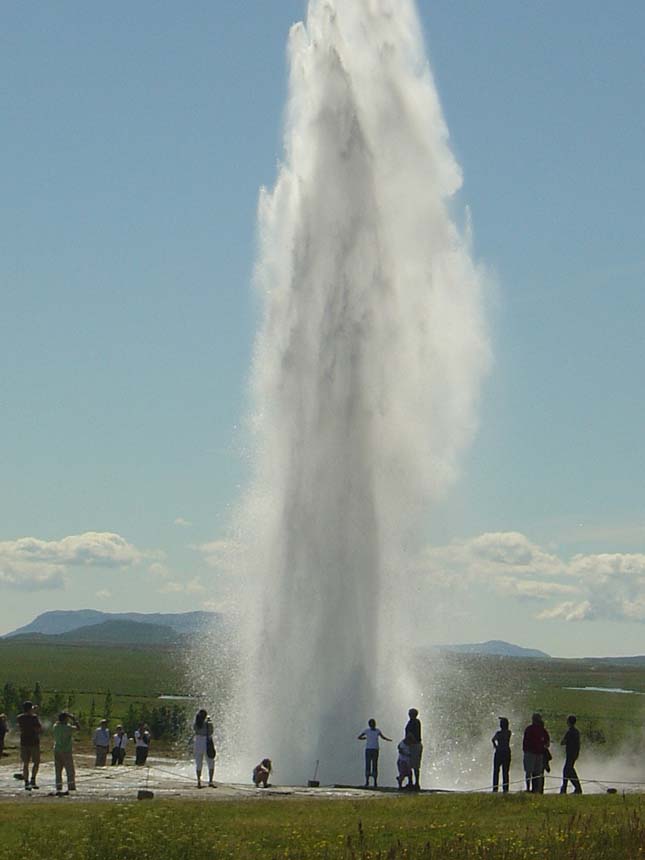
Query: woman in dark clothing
[502, 758]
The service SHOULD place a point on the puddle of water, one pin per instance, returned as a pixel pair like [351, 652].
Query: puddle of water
[606, 690]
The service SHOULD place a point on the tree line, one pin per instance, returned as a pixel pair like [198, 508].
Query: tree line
[165, 722]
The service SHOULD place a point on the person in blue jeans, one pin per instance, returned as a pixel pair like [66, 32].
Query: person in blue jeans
[502, 757]
[371, 737]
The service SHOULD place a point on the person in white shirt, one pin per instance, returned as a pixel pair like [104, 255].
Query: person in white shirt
[119, 746]
[101, 741]
[204, 746]
[142, 744]
[371, 737]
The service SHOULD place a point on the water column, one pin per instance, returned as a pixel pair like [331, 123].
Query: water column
[365, 381]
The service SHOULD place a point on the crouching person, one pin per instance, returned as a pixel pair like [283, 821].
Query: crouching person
[262, 772]
[63, 732]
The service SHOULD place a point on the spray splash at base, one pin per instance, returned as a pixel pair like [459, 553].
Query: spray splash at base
[365, 382]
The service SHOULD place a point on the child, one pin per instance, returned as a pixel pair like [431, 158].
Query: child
[403, 762]
[502, 758]
[261, 773]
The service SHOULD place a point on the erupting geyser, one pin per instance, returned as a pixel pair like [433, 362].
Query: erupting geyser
[365, 383]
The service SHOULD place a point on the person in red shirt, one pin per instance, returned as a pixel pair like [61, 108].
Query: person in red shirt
[535, 747]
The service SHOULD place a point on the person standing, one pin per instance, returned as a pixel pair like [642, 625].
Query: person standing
[142, 744]
[502, 757]
[204, 746]
[413, 734]
[101, 741]
[4, 728]
[30, 729]
[63, 732]
[535, 745]
[119, 744]
[571, 744]
[371, 737]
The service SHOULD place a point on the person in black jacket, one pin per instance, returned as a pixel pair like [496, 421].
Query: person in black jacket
[571, 744]
[502, 758]
[413, 729]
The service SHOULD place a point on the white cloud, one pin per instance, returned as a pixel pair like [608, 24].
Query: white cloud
[193, 586]
[30, 580]
[532, 589]
[608, 586]
[515, 551]
[159, 569]
[90, 548]
[219, 554]
[104, 594]
[30, 563]
[568, 611]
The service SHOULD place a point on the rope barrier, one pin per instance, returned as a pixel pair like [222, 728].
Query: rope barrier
[135, 773]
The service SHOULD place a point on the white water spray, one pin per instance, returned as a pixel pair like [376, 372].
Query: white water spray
[365, 383]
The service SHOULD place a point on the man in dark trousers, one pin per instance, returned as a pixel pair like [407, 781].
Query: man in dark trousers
[535, 744]
[571, 744]
[413, 729]
[30, 729]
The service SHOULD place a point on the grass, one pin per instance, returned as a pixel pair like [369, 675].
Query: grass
[127, 670]
[456, 826]
[468, 692]
[135, 675]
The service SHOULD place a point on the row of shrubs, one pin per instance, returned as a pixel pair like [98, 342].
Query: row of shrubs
[167, 722]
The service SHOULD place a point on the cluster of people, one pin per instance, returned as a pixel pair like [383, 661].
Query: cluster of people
[410, 750]
[536, 744]
[62, 731]
[31, 728]
[204, 748]
[105, 742]
[537, 756]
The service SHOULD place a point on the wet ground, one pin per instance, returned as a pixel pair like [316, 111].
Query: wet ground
[164, 777]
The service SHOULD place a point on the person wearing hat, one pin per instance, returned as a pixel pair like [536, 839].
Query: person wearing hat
[30, 729]
[101, 741]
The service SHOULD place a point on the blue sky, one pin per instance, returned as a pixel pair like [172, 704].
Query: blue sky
[135, 139]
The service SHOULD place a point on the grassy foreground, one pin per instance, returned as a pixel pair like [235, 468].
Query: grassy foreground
[454, 826]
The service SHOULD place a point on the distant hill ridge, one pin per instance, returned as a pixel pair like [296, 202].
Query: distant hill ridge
[59, 622]
[116, 632]
[496, 648]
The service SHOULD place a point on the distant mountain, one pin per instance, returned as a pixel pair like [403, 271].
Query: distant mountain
[496, 648]
[63, 621]
[115, 632]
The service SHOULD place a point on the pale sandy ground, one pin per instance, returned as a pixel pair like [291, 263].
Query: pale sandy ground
[165, 777]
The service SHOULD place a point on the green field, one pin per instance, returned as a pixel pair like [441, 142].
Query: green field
[460, 826]
[82, 675]
[463, 694]
[467, 693]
